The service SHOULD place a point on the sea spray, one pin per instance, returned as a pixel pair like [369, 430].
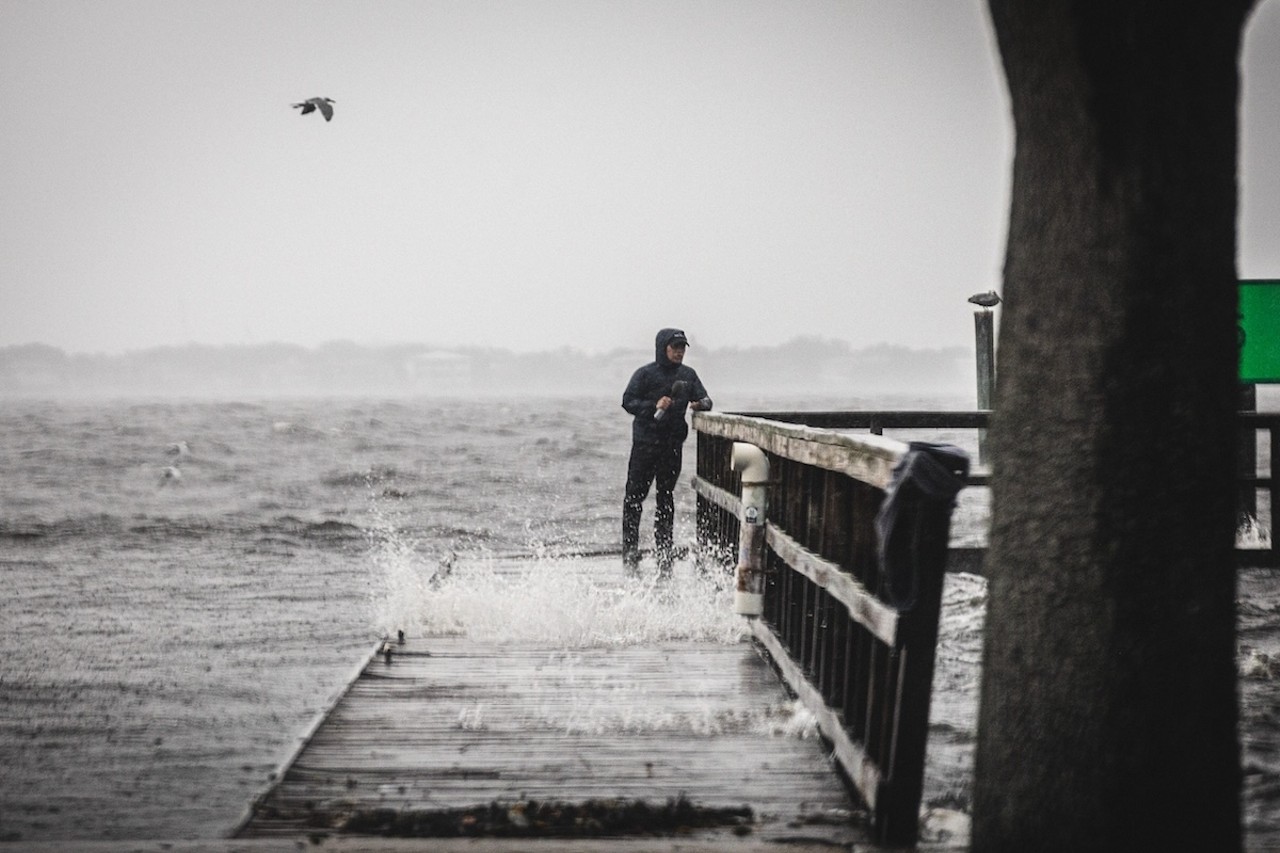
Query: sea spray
[560, 602]
[1252, 534]
[607, 707]
[565, 606]
[540, 597]
[399, 569]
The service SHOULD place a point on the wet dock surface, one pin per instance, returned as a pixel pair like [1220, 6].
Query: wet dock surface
[456, 736]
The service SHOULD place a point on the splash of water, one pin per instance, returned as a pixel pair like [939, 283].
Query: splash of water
[620, 707]
[567, 602]
[562, 601]
[400, 570]
[565, 605]
[1252, 534]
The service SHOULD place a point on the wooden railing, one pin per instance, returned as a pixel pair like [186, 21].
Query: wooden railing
[1259, 472]
[864, 668]
[1261, 437]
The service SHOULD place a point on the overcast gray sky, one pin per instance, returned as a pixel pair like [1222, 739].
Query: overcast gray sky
[522, 174]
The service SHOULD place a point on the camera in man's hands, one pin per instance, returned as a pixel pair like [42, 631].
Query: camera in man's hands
[679, 390]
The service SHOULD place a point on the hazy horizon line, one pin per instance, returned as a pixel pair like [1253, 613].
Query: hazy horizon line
[820, 341]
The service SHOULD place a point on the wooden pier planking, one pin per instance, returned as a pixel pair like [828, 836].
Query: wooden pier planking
[454, 723]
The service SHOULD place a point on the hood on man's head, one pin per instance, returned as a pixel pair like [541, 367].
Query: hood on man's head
[665, 338]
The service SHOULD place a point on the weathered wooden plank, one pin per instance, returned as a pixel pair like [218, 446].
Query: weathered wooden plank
[863, 607]
[453, 723]
[867, 610]
[867, 458]
[857, 764]
[723, 498]
[903, 419]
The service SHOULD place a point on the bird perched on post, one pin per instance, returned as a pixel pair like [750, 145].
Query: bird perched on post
[990, 299]
[310, 105]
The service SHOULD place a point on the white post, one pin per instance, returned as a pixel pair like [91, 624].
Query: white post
[754, 465]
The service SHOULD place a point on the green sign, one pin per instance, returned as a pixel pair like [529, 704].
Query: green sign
[1259, 330]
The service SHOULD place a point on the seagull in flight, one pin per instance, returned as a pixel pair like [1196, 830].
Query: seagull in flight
[990, 299]
[322, 104]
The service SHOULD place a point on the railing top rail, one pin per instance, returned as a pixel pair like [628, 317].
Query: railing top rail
[867, 458]
[893, 419]
[930, 418]
[1261, 420]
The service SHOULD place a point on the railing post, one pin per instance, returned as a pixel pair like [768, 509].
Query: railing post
[1247, 502]
[1273, 494]
[985, 351]
[754, 467]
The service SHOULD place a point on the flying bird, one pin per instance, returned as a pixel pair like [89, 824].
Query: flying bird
[990, 299]
[322, 104]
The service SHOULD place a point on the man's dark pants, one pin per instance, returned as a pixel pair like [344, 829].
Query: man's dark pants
[650, 464]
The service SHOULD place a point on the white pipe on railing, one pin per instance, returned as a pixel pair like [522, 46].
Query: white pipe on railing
[754, 466]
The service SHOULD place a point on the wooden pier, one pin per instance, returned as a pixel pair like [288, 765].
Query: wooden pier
[455, 736]
[451, 736]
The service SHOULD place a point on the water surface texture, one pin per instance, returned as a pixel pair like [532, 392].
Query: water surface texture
[189, 584]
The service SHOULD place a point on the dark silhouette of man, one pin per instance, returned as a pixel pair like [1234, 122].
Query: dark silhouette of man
[657, 397]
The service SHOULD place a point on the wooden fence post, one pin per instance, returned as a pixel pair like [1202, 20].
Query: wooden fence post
[984, 340]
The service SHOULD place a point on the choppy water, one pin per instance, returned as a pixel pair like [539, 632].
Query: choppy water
[189, 583]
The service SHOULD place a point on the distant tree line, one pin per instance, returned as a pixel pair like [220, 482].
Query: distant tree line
[804, 365]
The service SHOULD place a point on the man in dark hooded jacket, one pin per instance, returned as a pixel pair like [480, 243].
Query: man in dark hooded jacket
[657, 396]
